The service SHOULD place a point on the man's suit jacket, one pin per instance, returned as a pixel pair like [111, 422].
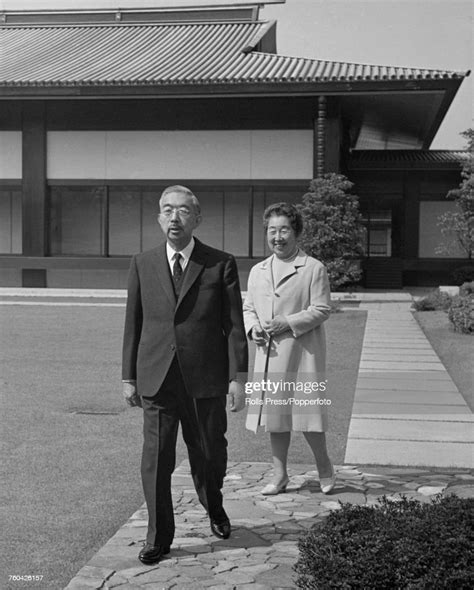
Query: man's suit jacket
[201, 327]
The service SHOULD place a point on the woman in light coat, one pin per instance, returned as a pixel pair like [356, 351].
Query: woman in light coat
[287, 302]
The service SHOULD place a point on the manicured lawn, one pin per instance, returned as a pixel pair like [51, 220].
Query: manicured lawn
[453, 348]
[71, 452]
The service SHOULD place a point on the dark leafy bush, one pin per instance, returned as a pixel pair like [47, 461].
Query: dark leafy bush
[457, 224]
[392, 546]
[333, 228]
[467, 289]
[435, 301]
[463, 274]
[461, 313]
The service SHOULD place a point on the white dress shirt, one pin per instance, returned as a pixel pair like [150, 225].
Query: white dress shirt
[185, 254]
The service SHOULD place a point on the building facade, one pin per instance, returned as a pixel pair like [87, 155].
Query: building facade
[102, 110]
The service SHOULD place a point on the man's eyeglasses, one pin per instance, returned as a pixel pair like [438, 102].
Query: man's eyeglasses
[181, 211]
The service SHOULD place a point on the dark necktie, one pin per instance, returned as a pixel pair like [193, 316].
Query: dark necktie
[177, 269]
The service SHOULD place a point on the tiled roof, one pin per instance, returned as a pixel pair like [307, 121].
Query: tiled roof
[361, 159]
[169, 54]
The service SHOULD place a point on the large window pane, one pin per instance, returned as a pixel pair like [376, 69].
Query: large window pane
[258, 248]
[379, 233]
[124, 222]
[77, 221]
[10, 222]
[151, 234]
[211, 230]
[236, 222]
[431, 237]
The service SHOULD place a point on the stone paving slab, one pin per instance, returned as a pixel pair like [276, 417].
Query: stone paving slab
[402, 365]
[409, 452]
[50, 292]
[387, 354]
[415, 430]
[402, 331]
[408, 376]
[399, 334]
[411, 396]
[421, 346]
[416, 383]
[447, 412]
[262, 550]
[387, 339]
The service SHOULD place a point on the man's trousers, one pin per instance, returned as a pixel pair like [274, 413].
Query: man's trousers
[203, 424]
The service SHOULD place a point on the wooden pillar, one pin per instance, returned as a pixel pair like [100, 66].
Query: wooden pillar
[319, 138]
[411, 217]
[333, 136]
[34, 178]
[327, 137]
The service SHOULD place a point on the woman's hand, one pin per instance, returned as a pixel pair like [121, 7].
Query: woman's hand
[278, 325]
[259, 336]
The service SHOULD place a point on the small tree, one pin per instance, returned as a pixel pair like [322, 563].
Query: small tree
[334, 232]
[457, 227]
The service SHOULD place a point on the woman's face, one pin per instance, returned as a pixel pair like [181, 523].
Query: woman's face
[281, 237]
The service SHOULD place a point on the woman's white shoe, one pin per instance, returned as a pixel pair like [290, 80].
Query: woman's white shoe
[272, 489]
[327, 483]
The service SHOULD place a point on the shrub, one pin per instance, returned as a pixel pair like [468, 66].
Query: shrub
[435, 301]
[467, 288]
[333, 228]
[457, 225]
[390, 546]
[463, 274]
[461, 313]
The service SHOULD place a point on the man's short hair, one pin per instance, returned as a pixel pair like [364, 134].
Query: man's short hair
[286, 210]
[184, 190]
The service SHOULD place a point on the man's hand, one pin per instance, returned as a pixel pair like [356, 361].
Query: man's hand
[130, 394]
[259, 336]
[278, 325]
[237, 396]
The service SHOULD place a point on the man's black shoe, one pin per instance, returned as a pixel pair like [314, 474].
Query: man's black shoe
[152, 553]
[221, 529]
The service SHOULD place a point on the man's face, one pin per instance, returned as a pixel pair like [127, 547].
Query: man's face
[178, 219]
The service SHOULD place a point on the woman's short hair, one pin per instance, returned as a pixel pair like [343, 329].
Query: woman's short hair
[287, 210]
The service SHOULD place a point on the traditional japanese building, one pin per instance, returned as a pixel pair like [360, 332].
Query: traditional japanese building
[100, 110]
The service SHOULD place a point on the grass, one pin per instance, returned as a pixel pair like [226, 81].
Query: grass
[453, 348]
[71, 451]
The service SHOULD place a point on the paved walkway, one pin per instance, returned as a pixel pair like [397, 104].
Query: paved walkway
[407, 409]
[262, 550]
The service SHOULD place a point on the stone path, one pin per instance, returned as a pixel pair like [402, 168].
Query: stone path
[262, 550]
[407, 409]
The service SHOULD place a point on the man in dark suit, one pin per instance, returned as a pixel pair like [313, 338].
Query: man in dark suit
[184, 349]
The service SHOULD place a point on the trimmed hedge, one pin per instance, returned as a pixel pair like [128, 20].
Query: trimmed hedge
[394, 545]
[435, 301]
[461, 313]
